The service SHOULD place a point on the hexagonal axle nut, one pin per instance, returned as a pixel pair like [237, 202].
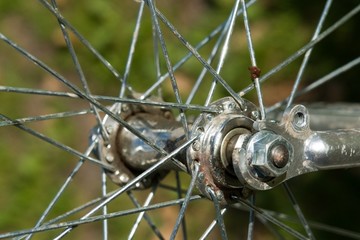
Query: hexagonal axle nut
[270, 154]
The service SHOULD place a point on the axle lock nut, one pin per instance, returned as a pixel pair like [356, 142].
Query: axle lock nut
[271, 154]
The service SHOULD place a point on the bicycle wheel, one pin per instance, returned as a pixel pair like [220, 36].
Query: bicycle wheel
[119, 128]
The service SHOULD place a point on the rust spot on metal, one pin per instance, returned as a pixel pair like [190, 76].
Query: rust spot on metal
[254, 72]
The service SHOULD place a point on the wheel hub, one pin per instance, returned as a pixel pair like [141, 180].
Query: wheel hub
[128, 154]
[234, 155]
[213, 149]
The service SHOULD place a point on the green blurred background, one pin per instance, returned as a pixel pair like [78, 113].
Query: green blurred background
[31, 171]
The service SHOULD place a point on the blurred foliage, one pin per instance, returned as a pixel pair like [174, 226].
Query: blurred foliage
[31, 170]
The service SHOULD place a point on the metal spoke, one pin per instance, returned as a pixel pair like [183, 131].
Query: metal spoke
[168, 65]
[201, 59]
[253, 69]
[219, 216]
[132, 50]
[141, 215]
[228, 30]
[79, 70]
[317, 225]
[78, 209]
[179, 194]
[306, 47]
[58, 144]
[298, 211]
[201, 76]
[84, 42]
[162, 78]
[213, 53]
[211, 226]
[250, 233]
[270, 227]
[136, 180]
[111, 114]
[44, 117]
[159, 79]
[335, 230]
[270, 218]
[74, 211]
[37, 92]
[63, 187]
[97, 218]
[99, 205]
[167, 105]
[308, 53]
[146, 216]
[105, 210]
[288, 218]
[186, 202]
[263, 220]
[329, 76]
[319, 82]
[202, 43]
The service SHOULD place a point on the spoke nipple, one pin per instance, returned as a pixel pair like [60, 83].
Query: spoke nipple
[109, 129]
[196, 146]
[255, 114]
[124, 108]
[201, 176]
[231, 106]
[109, 157]
[209, 117]
[246, 192]
[124, 178]
[167, 114]
[219, 195]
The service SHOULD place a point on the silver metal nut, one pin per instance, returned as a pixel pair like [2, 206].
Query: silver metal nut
[270, 154]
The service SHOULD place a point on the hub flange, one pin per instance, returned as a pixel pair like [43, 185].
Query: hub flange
[128, 154]
[213, 149]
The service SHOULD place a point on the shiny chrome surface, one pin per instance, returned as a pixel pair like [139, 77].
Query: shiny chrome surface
[130, 155]
[213, 149]
[312, 150]
[236, 151]
[167, 134]
[333, 149]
